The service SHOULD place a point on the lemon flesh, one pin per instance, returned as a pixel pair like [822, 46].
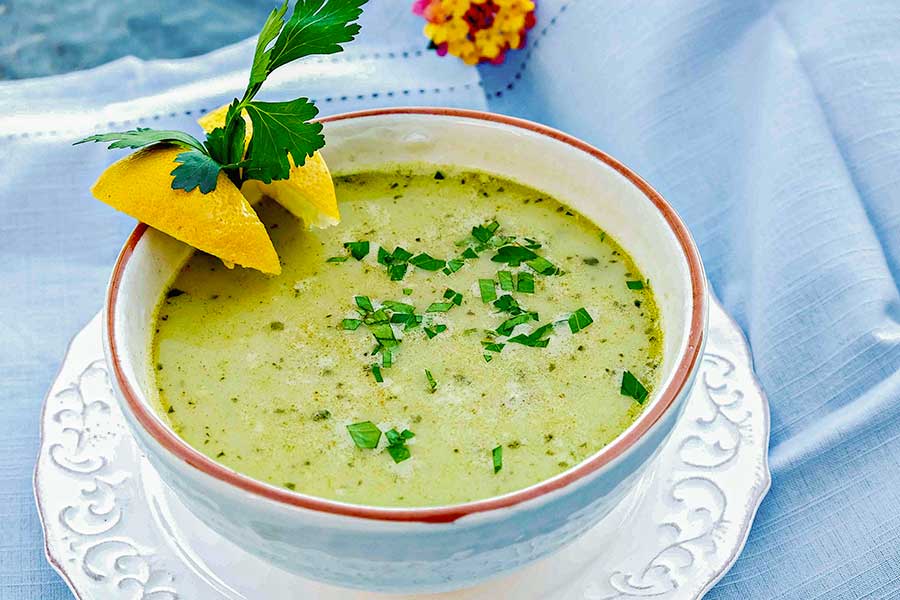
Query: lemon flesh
[308, 193]
[221, 223]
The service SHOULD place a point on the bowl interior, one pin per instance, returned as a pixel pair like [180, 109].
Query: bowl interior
[540, 159]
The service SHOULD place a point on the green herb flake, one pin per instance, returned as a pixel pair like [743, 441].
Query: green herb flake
[633, 388]
[513, 255]
[492, 346]
[376, 373]
[397, 444]
[401, 254]
[487, 289]
[543, 266]
[387, 358]
[454, 296]
[525, 282]
[396, 272]
[427, 262]
[438, 307]
[400, 307]
[535, 339]
[364, 434]
[485, 232]
[433, 331]
[508, 304]
[497, 458]
[384, 257]
[358, 250]
[276, 326]
[364, 303]
[469, 253]
[432, 383]
[322, 415]
[636, 284]
[488, 357]
[505, 279]
[351, 324]
[507, 326]
[407, 292]
[337, 259]
[579, 320]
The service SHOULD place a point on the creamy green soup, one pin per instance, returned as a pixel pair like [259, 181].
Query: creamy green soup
[457, 336]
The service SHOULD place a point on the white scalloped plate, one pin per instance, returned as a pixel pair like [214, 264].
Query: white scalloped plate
[114, 531]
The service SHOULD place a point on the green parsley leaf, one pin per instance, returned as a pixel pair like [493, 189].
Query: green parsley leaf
[397, 444]
[508, 304]
[364, 303]
[426, 262]
[315, 27]
[400, 307]
[432, 384]
[492, 346]
[407, 291]
[579, 320]
[143, 136]
[488, 357]
[358, 250]
[632, 387]
[508, 325]
[454, 296]
[469, 253]
[399, 452]
[436, 307]
[364, 434]
[433, 331]
[401, 255]
[376, 373]
[271, 28]
[377, 317]
[196, 170]
[535, 339]
[387, 358]
[337, 259]
[525, 282]
[543, 266]
[488, 292]
[384, 257]
[497, 458]
[397, 271]
[454, 265]
[280, 129]
[485, 233]
[351, 324]
[635, 285]
[506, 280]
[513, 255]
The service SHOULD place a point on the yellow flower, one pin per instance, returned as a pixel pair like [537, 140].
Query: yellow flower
[489, 42]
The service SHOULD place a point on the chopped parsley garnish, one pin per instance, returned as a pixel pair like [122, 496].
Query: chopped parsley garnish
[486, 232]
[432, 384]
[535, 339]
[579, 320]
[358, 250]
[398, 307]
[433, 331]
[337, 259]
[525, 282]
[397, 271]
[488, 357]
[407, 292]
[513, 255]
[506, 327]
[436, 307]
[401, 254]
[508, 304]
[497, 458]
[351, 324]
[506, 280]
[427, 262]
[543, 266]
[469, 253]
[531, 244]
[364, 303]
[454, 265]
[397, 444]
[454, 296]
[632, 387]
[387, 358]
[364, 434]
[636, 284]
[487, 289]
[492, 346]
[376, 373]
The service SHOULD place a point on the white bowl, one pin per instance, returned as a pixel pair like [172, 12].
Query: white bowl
[435, 548]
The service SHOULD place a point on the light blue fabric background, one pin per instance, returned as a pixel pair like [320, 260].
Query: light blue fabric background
[773, 127]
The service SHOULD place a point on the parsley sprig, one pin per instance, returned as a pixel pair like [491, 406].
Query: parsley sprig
[282, 131]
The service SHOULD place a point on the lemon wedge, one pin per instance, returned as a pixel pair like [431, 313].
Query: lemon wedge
[221, 223]
[308, 193]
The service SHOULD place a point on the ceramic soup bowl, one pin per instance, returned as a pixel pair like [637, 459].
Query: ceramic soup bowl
[446, 547]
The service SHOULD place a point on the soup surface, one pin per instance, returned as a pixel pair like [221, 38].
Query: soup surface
[384, 376]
